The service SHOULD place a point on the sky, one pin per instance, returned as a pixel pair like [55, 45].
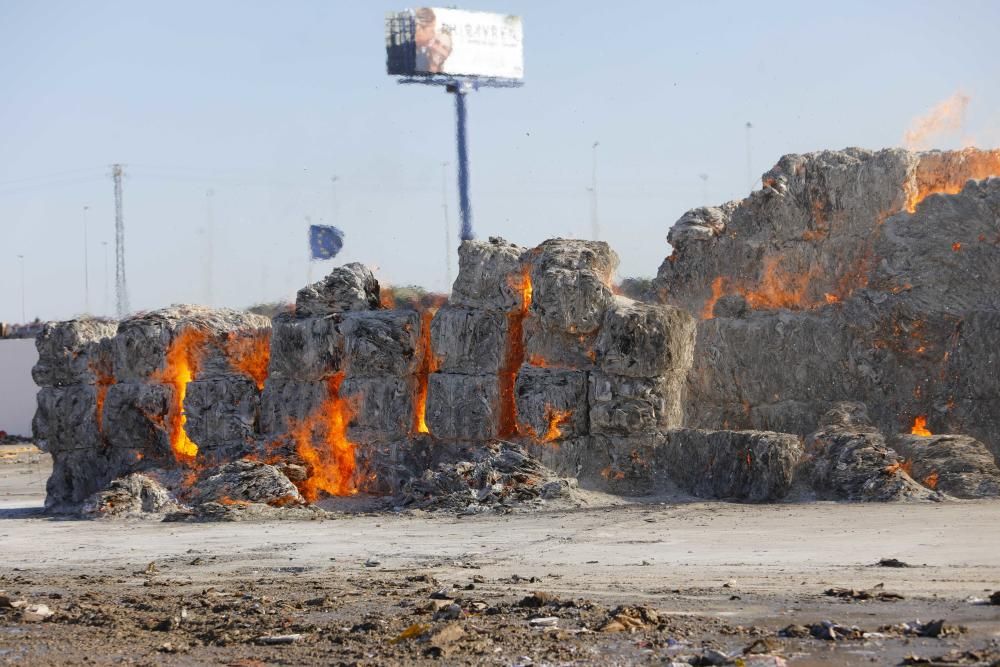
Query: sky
[232, 117]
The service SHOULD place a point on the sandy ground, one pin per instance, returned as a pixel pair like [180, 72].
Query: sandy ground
[719, 575]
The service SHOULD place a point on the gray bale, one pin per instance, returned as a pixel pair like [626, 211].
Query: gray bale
[66, 419]
[73, 352]
[488, 275]
[557, 348]
[305, 349]
[750, 466]
[569, 300]
[222, 413]
[575, 255]
[136, 417]
[347, 288]
[645, 340]
[469, 340]
[286, 401]
[128, 497]
[623, 465]
[620, 405]
[954, 464]
[75, 476]
[463, 407]
[382, 408]
[551, 403]
[381, 343]
[246, 481]
[141, 345]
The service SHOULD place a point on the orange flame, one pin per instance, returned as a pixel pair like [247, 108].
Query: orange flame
[330, 462]
[514, 356]
[920, 426]
[779, 288]
[947, 173]
[556, 419]
[182, 364]
[250, 355]
[538, 360]
[103, 382]
[717, 287]
[931, 481]
[428, 364]
[946, 116]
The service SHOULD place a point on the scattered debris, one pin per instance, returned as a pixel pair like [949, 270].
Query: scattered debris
[877, 592]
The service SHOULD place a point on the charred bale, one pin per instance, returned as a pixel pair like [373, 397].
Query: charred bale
[468, 340]
[305, 349]
[287, 402]
[488, 275]
[381, 343]
[382, 408]
[546, 347]
[954, 464]
[66, 419]
[347, 288]
[551, 403]
[622, 405]
[645, 340]
[74, 352]
[222, 415]
[749, 466]
[135, 417]
[463, 407]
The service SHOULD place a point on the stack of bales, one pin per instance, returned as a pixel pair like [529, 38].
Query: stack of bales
[74, 364]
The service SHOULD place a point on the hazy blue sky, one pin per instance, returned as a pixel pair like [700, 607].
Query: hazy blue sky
[262, 102]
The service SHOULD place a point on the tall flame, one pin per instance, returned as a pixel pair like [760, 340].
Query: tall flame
[920, 426]
[514, 356]
[948, 173]
[946, 116]
[321, 442]
[182, 363]
[717, 287]
[556, 419]
[250, 355]
[428, 363]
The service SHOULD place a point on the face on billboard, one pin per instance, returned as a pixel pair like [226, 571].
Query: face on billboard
[456, 42]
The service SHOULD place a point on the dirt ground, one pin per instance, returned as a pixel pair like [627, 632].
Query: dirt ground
[607, 583]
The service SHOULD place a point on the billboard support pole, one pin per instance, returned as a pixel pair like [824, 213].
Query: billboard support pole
[464, 205]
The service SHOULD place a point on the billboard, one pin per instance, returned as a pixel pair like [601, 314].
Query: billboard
[433, 40]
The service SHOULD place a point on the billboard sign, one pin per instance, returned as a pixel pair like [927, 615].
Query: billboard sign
[438, 41]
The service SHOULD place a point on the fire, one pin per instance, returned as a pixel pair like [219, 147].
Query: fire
[104, 380]
[556, 419]
[920, 426]
[428, 364]
[831, 298]
[779, 288]
[610, 473]
[250, 355]
[331, 461]
[946, 116]
[717, 287]
[931, 481]
[947, 173]
[956, 246]
[182, 364]
[514, 355]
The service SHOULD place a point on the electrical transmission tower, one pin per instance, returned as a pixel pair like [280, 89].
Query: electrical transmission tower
[120, 287]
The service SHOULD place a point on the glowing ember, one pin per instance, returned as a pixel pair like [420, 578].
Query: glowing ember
[931, 481]
[331, 460]
[103, 382]
[947, 174]
[538, 360]
[556, 419]
[428, 364]
[182, 364]
[250, 355]
[956, 246]
[831, 298]
[779, 288]
[920, 426]
[514, 356]
[717, 288]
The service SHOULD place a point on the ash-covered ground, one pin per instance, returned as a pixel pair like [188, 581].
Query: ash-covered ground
[608, 581]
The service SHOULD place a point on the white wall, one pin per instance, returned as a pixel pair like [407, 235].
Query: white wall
[17, 389]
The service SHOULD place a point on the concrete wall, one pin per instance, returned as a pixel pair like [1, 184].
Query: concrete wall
[17, 389]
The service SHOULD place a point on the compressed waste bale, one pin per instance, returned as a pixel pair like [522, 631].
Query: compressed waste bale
[73, 352]
[382, 408]
[847, 459]
[222, 411]
[488, 275]
[66, 419]
[551, 403]
[135, 417]
[575, 255]
[463, 407]
[305, 348]
[752, 466]
[625, 465]
[469, 340]
[246, 481]
[954, 464]
[140, 348]
[383, 342]
[286, 401]
[645, 340]
[76, 475]
[546, 347]
[622, 405]
[347, 288]
[130, 496]
[568, 300]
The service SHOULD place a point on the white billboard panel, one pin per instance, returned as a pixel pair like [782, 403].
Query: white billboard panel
[435, 40]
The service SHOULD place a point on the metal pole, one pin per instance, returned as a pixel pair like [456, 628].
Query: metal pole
[24, 319]
[447, 224]
[595, 229]
[86, 268]
[464, 206]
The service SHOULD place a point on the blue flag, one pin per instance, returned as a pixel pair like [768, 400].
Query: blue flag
[325, 241]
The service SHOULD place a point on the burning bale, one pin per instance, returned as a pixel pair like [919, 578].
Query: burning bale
[954, 464]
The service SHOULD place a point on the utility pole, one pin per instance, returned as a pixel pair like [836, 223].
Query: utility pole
[595, 229]
[209, 233]
[24, 319]
[86, 267]
[447, 225]
[121, 289]
[460, 90]
[750, 179]
[107, 284]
